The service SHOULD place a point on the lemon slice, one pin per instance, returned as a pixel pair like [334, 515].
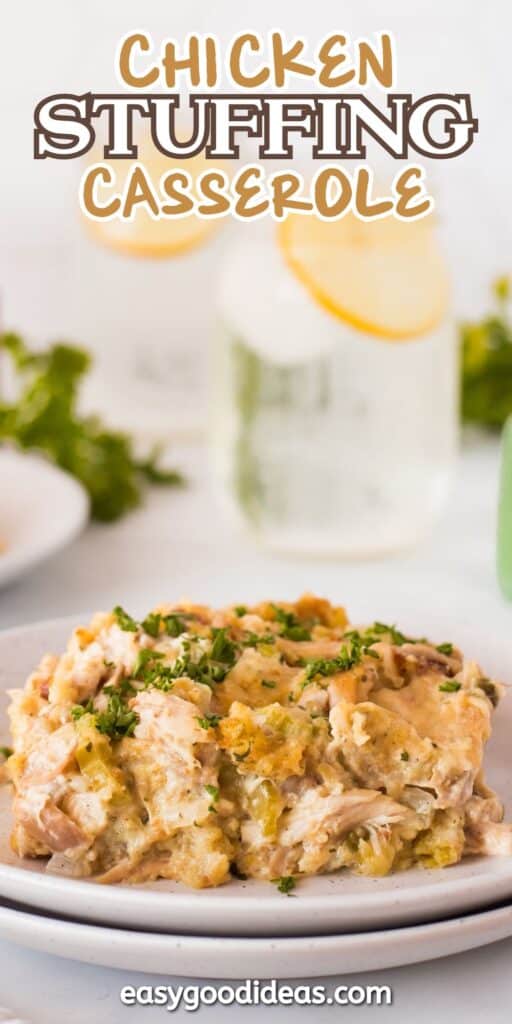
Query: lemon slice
[385, 277]
[143, 236]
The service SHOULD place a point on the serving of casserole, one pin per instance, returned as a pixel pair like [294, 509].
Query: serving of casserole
[272, 741]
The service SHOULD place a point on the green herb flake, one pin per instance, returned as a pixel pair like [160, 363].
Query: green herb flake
[125, 621]
[404, 756]
[268, 684]
[6, 752]
[174, 625]
[240, 610]
[208, 721]
[223, 649]
[349, 656]
[202, 667]
[291, 627]
[450, 686]
[445, 649]
[285, 884]
[146, 657]
[255, 639]
[213, 791]
[380, 629]
[82, 709]
[152, 623]
[117, 720]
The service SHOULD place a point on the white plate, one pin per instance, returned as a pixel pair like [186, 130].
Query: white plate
[41, 510]
[235, 958]
[325, 904]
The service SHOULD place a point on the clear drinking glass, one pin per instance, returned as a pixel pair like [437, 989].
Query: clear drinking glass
[326, 439]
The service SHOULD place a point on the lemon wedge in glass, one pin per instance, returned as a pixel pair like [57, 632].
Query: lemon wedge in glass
[384, 277]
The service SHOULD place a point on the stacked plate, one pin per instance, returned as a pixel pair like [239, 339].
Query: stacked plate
[330, 925]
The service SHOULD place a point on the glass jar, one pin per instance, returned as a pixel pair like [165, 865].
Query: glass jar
[326, 440]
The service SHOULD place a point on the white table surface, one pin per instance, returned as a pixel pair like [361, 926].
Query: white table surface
[179, 545]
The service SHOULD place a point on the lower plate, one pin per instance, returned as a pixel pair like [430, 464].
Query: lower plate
[239, 958]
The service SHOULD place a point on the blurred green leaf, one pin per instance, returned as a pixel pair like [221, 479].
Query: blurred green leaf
[45, 417]
[486, 354]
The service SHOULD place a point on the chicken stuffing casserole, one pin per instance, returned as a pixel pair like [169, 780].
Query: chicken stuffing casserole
[266, 742]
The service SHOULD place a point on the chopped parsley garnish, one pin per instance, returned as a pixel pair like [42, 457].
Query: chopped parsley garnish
[149, 670]
[124, 620]
[208, 721]
[210, 667]
[349, 656]
[213, 791]
[6, 752]
[254, 639]
[144, 658]
[173, 624]
[404, 756]
[297, 633]
[151, 624]
[285, 884]
[268, 684]
[207, 668]
[450, 686]
[375, 633]
[116, 720]
[445, 649]
[240, 610]
[355, 645]
[82, 709]
[223, 649]
[292, 628]
[124, 688]
[396, 636]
